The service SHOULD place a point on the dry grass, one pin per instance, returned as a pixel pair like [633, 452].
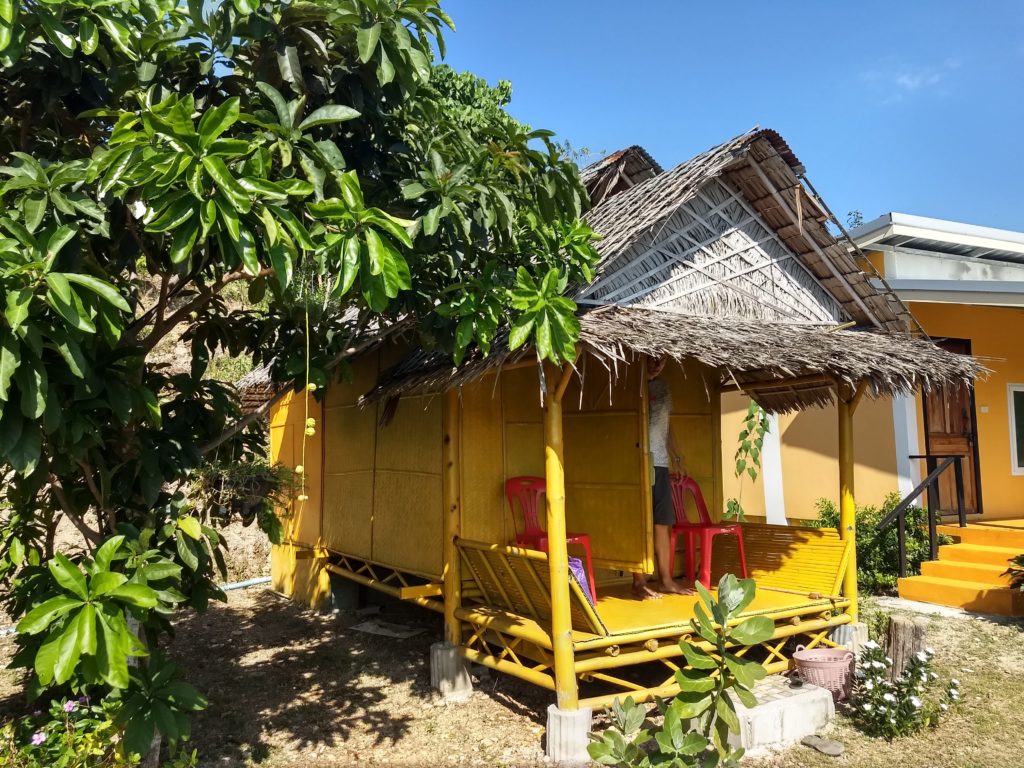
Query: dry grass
[987, 657]
[288, 687]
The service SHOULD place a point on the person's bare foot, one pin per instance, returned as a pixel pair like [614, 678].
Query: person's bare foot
[642, 592]
[671, 587]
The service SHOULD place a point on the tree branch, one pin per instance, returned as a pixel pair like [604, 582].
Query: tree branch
[161, 329]
[106, 514]
[92, 536]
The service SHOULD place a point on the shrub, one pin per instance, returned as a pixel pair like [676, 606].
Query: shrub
[892, 708]
[697, 722]
[878, 551]
[73, 733]
[1016, 571]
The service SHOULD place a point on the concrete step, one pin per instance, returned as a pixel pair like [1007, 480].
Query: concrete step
[978, 553]
[971, 596]
[986, 535]
[981, 573]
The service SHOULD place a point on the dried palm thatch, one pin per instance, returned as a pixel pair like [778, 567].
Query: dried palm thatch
[735, 231]
[785, 367]
[618, 172]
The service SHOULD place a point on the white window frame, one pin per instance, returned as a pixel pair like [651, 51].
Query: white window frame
[1015, 460]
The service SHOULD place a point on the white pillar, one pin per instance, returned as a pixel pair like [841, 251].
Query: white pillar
[904, 423]
[771, 474]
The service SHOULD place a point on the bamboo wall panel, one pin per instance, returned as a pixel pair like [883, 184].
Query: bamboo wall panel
[301, 519]
[407, 524]
[407, 498]
[350, 438]
[485, 515]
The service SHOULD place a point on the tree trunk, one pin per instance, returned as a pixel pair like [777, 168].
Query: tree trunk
[904, 640]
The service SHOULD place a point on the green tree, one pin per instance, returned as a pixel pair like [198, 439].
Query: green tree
[163, 151]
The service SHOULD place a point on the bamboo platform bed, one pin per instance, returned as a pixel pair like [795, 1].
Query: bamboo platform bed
[623, 646]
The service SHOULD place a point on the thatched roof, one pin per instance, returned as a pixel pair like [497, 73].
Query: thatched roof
[785, 367]
[618, 172]
[648, 229]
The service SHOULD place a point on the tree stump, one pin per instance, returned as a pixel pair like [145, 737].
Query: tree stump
[904, 640]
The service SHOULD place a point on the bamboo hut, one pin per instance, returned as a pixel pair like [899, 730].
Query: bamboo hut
[725, 264]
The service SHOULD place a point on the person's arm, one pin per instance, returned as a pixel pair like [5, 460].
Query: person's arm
[673, 452]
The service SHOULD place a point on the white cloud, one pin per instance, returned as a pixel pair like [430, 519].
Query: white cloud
[895, 80]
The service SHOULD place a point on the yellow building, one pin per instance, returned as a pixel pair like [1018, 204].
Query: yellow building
[965, 286]
[707, 264]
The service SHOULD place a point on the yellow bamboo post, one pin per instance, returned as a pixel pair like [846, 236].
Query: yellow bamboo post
[847, 505]
[451, 570]
[558, 555]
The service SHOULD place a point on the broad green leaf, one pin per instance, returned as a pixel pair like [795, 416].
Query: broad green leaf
[294, 227]
[70, 350]
[331, 113]
[105, 582]
[138, 595]
[227, 183]
[101, 288]
[31, 378]
[25, 454]
[112, 651]
[69, 650]
[46, 657]
[281, 261]
[349, 267]
[521, 330]
[280, 105]
[16, 312]
[68, 575]
[58, 34]
[57, 240]
[191, 526]
[40, 617]
[88, 35]
[87, 629]
[34, 207]
[696, 657]
[217, 120]
[185, 552]
[747, 673]
[184, 241]
[726, 711]
[10, 359]
[752, 631]
[120, 34]
[366, 41]
[246, 247]
[694, 680]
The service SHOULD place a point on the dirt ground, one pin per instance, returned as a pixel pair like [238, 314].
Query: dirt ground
[290, 687]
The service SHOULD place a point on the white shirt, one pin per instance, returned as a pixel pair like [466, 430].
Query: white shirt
[659, 411]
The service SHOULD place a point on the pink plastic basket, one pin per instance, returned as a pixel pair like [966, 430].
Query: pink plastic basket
[828, 668]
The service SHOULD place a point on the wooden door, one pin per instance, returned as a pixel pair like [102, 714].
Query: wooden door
[950, 429]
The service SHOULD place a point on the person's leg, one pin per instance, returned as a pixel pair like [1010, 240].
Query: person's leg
[664, 519]
[640, 589]
[662, 545]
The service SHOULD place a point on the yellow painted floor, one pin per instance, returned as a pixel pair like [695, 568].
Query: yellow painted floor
[621, 612]
[1015, 524]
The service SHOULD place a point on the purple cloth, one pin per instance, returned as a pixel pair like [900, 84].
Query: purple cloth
[578, 572]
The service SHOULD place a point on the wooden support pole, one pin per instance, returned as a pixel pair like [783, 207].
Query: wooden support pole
[452, 571]
[847, 505]
[558, 555]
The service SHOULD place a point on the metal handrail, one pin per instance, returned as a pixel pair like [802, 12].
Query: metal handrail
[930, 483]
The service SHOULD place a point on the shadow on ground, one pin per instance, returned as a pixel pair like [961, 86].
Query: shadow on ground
[290, 682]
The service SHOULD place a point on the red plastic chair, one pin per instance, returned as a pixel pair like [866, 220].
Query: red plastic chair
[528, 490]
[705, 529]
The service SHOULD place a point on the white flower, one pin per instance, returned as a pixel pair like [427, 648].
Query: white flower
[889, 697]
[954, 694]
[892, 720]
[943, 707]
[888, 660]
[955, 683]
[867, 707]
[930, 651]
[916, 702]
[935, 676]
[871, 645]
[922, 657]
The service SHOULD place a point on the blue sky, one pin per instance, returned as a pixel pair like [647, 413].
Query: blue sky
[905, 105]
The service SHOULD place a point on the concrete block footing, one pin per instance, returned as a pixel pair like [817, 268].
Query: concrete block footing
[851, 636]
[449, 673]
[783, 715]
[567, 735]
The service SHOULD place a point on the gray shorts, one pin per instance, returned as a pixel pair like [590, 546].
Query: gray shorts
[661, 496]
